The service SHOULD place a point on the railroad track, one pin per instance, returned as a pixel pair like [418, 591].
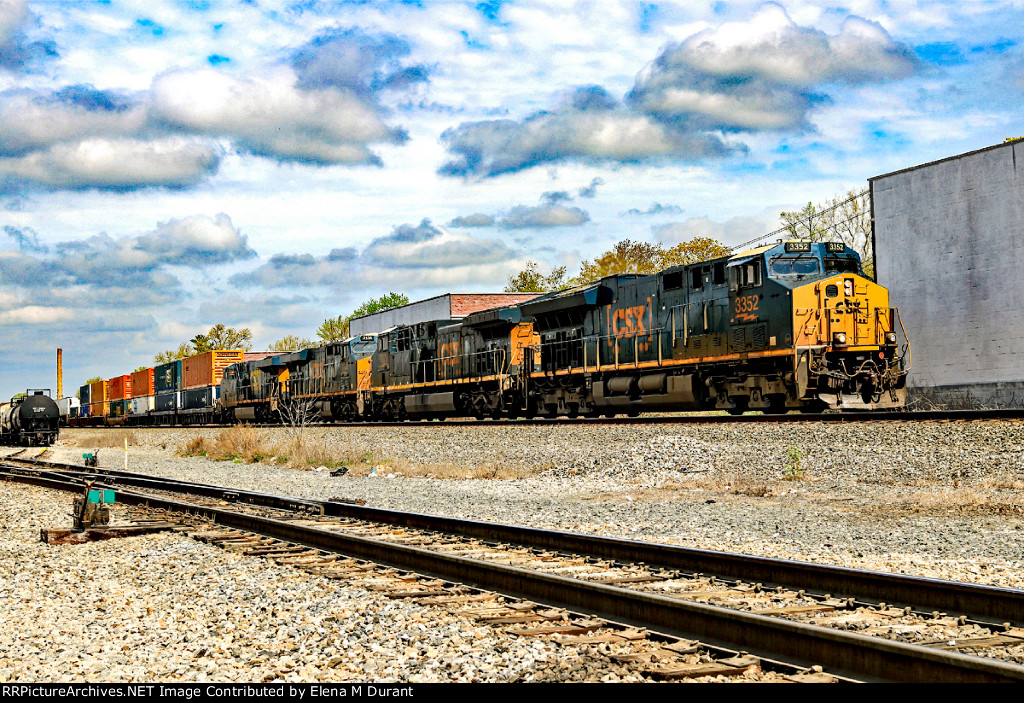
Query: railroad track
[680, 419]
[780, 611]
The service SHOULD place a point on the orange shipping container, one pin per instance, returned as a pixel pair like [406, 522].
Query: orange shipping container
[99, 409]
[207, 369]
[98, 392]
[142, 383]
[120, 387]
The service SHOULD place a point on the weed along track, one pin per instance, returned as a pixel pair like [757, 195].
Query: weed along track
[669, 610]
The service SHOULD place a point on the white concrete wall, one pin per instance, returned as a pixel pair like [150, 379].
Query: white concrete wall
[949, 243]
[438, 308]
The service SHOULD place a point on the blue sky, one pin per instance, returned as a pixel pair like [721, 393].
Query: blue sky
[165, 166]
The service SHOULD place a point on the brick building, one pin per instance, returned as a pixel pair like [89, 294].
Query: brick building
[450, 306]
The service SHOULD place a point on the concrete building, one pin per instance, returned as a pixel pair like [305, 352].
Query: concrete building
[450, 306]
[949, 246]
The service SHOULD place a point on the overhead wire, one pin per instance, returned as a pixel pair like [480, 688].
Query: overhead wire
[809, 219]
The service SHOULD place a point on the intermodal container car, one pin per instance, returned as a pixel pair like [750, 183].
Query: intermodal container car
[207, 369]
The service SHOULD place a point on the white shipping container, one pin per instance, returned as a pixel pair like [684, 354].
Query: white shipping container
[68, 407]
[141, 406]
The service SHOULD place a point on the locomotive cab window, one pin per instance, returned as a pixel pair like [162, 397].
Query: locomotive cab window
[746, 275]
[672, 281]
[841, 264]
[719, 274]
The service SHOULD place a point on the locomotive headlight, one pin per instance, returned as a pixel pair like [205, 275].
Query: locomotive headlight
[848, 287]
[839, 338]
[890, 337]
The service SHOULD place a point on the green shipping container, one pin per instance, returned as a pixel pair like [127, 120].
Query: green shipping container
[167, 377]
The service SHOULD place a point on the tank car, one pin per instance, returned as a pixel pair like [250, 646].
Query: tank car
[32, 419]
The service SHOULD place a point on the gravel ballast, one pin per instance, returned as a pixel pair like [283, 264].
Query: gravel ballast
[934, 499]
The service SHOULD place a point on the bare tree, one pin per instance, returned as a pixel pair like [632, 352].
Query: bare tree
[298, 414]
[845, 218]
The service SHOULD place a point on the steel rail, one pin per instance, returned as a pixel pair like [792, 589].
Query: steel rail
[842, 653]
[852, 416]
[994, 604]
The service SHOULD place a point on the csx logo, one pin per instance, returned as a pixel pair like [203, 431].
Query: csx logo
[628, 321]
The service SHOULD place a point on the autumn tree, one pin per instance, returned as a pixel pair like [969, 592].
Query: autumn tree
[385, 302]
[333, 329]
[646, 258]
[692, 251]
[842, 218]
[291, 343]
[219, 337]
[182, 352]
[531, 280]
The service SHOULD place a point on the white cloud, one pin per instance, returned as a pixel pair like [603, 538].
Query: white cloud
[524, 216]
[13, 14]
[195, 240]
[32, 120]
[270, 116]
[761, 74]
[37, 315]
[116, 163]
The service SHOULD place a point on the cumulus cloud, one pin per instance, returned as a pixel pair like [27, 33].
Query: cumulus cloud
[321, 108]
[426, 246]
[764, 74]
[493, 147]
[114, 164]
[271, 116]
[196, 241]
[655, 209]
[477, 219]
[33, 120]
[589, 191]
[26, 238]
[13, 14]
[109, 264]
[18, 53]
[353, 60]
[413, 255]
[524, 216]
[552, 197]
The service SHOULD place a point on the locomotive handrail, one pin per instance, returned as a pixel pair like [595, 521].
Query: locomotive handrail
[442, 365]
[584, 342]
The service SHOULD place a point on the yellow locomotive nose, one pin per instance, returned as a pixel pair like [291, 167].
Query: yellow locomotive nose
[843, 312]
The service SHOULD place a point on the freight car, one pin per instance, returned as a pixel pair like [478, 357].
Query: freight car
[789, 326]
[30, 419]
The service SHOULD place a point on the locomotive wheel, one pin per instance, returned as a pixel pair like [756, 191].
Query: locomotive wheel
[776, 406]
[741, 407]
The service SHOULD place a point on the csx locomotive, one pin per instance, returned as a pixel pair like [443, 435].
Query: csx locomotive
[789, 326]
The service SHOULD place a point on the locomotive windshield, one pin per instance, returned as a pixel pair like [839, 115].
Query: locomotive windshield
[795, 266]
[363, 346]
